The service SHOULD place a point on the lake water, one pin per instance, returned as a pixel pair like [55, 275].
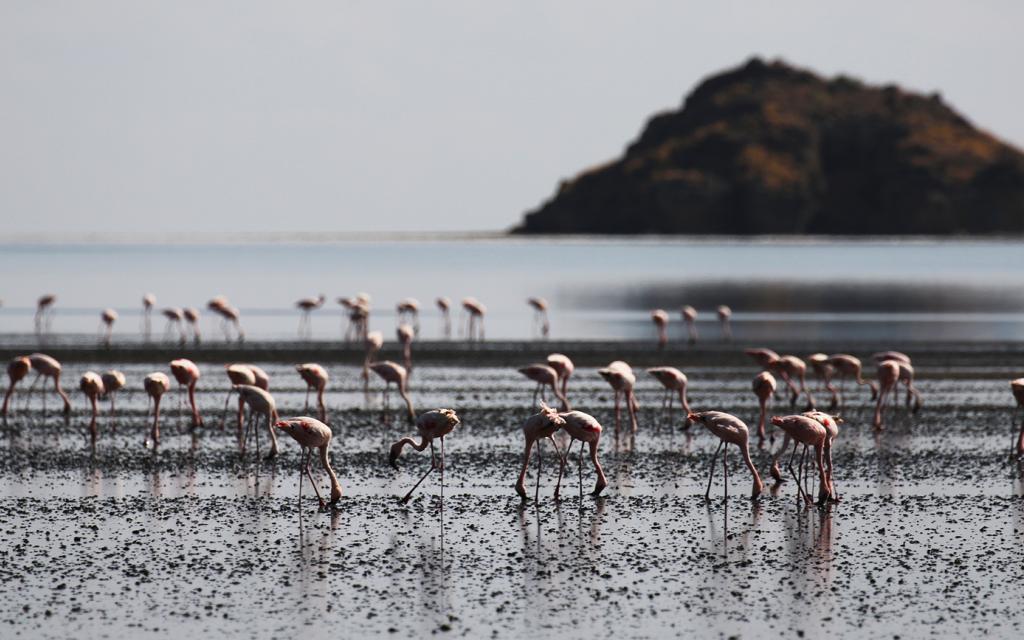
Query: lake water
[903, 290]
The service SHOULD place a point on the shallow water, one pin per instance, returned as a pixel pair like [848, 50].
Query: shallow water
[123, 541]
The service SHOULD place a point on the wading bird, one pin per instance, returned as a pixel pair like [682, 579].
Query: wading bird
[846, 366]
[405, 333]
[237, 374]
[822, 369]
[187, 374]
[763, 357]
[888, 374]
[148, 302]
[541, 325]
[432, 425]
[764, 388]
[44, 314]
[724, 315]
[306, 307]
[374, 341]
[809, 433]
[536, 428]
[907, 378]
[113, 381]
[674, 382]
[660, 319]
[175, 321]
[730, 430]
[1016, 387]
[831, 424]
[444, 305]
[394, 373]
[48, 367]
[789, 368]
[17, 368]
[156, 385]
[475, 311]
[261, 404]
[409, 311]
[620, 376]
[544, 375]
[92, 386]
[898, 356]
[107, 320]
[690, 318]
[315, 377]
[311, 434]
[191, 315]
[585, 428]
[565, 368]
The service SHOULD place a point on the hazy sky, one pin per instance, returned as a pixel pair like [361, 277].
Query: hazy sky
[367, 115]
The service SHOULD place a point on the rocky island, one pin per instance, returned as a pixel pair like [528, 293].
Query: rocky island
[771, 149]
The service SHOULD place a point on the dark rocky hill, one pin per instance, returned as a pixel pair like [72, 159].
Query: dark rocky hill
[770, 149]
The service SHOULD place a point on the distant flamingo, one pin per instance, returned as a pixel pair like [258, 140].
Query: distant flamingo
[261, 403]
[673, 380]
[311, 434]
[690, 318]
[565, 368]
[191, 315]
[358, 309]
[107, 319]
[536, 428]
[148, 302]
[831, 424]
[847, 366]
[48, 367]
[113, 381]
[888, 375]
[229, 317]
[822, 369]
[540, 316]
[394, 373]
[475, 311]
[405, 334]
[374, 341]
[156, 385]
[789, 368]
[1016, 387]
[809, 433]
[730, 430]
[409, 309]
[175, 320]
[306, 307]
[660, 319]
[238, 374]
[764, 389]
[44, 313]
[545, 376]
[92, 386]
[315, 377]
[585, 428]
[444, 305]
[432, 425]
[262, 379]
[907, 378]
[898, 356]
[724, 315]
[187, 374]
[17, 369]
[621, 378]
[763, 357]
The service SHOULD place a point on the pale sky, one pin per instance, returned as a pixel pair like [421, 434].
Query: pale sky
[367, 115]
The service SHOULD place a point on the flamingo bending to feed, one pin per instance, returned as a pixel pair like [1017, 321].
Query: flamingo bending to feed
[544, 375]
[540, 316]
[148, 302]
[48, 367]
[764, 388]
[191, 315]
[565, 368]
[1017, 388]
[822, 369]
[113, 381]
[444, 305]
[394, 373]
[809, 433]
[724, 315]
[831, 424]
[898, 356]
[660, 319]
[730, 430]
[92, 386]
[261, 403]
[237, 374]
[107, 320]
[888, 375]
[475, 311]
[311, 434]
[17, 369]
[187, 374]
[907, 378]
[690, 318]
[621, 378]
[175, 320]
[432, 425]
[536, 428]
[405, 335]
[409, 309]
[156, 385]
[374, 341]
[585, 428]
[44, 313]
[306, 307]
[315, 377]
[846, 366]
[763, 357]
[673, 380]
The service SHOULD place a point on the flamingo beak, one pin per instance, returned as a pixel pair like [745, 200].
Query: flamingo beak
[692, 418]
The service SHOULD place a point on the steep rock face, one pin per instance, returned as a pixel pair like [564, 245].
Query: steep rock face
[770, 149]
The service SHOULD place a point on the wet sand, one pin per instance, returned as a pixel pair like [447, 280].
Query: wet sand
[126, 542]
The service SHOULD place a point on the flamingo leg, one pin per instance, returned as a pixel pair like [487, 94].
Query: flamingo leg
[789, 466]
[536, 493]
[433, 465]
[561, 466]
[725, 468]
[711, 475]
[311, 481]
[581, 472]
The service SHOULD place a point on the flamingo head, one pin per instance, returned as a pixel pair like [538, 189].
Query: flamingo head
[778, 421]
[693, 418]
[551, 415]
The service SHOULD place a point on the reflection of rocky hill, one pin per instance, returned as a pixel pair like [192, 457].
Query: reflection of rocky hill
[767, 148]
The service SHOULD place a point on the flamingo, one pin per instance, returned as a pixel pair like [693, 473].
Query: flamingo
[730, 430]
[444, 305]
[156, 385]
[544, 375]
[92, 386]
[764, 388]
[175, 320]
[788, 368]
[810, 433]
[315, 377]
[673, 380]
[898, 356]
[540, 316]
[907, 378]
[113, 381]
[432, 425]
[888, 374]
[475, 318]
[374, 341]
[831, 424]
[230, 317]
[1016, 387]
[261, 403]
[358, 308]
[690, 318]
[620, 376]
[148, 302]
[187, 374]
[191, 315]
[262, 379]
[17, 369]
[107, 320]
[48, 367]
[660, 319]
[536, 428]
[44, 313]
[306, 307]
[823, 371]
[237, 374]
[565, 368]
[724, 315]
[392, 372]
[311, 434]
[405, 334]
[409, 309]
[764, 358]
[847, 366]
[585, 428]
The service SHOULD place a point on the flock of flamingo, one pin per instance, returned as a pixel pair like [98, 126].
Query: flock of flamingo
[811, 429]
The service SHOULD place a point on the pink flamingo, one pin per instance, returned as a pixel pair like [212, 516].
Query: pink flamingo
[261, 403]
[48, 367]
[846, 366]
[660, 319]
[907, 378]
[113, 381]
[175, 320]
[898, 356]
[888, 375]
[374, 341]
[544, 375]
[229, 315]
[690, 318]
[475, 311]
[540, 316]
[191, 315]
[148, 302]
[44, 313]
[92, 386]
[822, 369]
[432, 425]
[156, 385]
[237, 374]
[764, 358]
[621, 378]
[1017, 388]
[315, 377]
[107, 320]
[409, 309]
[831, 424]
[673, 380]
[307, 306]
[565, 368]
[311, 434]
[585, 428]
[262, 379]
[187, 374]
[788, 368]
[17, 369]
[394, 373]
[358, 316]
[536, 428]
[724, 315]
[809, 433]
[405, 335]
[444, 305]
[764, 389]
[730, 430]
